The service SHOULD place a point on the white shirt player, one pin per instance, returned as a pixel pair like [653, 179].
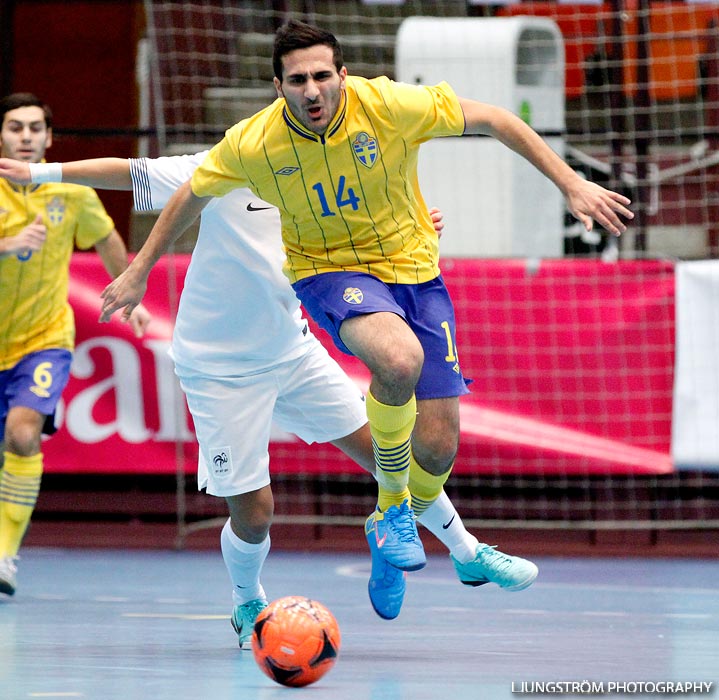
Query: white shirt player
[221, 330]
[243, 352]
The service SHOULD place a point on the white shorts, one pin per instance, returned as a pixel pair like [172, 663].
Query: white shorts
[311, 397]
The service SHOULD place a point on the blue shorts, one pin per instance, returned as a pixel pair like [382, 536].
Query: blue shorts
[36, 382]
[333, 297]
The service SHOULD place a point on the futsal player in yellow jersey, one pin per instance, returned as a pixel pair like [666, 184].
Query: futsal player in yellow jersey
[349, 195]
[338, 157]
[40, 225]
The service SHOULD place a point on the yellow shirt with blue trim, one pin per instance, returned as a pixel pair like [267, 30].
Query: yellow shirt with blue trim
[349, 199]
[34, 310]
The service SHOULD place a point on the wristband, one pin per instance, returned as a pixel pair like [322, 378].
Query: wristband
[45, 172]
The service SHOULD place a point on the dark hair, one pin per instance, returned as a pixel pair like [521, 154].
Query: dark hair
[298, 35]
[24, 99]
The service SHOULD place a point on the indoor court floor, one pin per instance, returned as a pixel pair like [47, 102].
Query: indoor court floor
[154, 625]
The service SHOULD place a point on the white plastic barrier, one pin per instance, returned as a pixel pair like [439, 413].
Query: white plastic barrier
[495, 203]
[695, 422]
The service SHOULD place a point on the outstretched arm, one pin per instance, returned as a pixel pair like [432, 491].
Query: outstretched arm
[103, 173]
[587, 201]
[127, 290]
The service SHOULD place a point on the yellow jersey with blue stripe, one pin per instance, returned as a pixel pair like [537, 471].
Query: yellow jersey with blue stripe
[34, 309]
[349, 199]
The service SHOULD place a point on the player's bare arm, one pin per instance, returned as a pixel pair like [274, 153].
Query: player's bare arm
[113, 253]
[586, 200]
[30, 239]
[127, 290]
[107, 173]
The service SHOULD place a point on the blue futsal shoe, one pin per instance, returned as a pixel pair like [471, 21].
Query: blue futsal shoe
[387, 583]
[396, 538]
[490, 565]
[243, 620]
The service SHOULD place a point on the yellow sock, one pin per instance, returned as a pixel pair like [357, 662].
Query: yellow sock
[391, 429]
[424, 487]
[19, 487]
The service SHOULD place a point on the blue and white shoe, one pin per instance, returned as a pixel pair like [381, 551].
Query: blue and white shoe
[387, 583]
[243, 620]
[490, 565]
[396, 538]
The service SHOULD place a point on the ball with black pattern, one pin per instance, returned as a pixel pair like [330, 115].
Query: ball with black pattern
[296, 640]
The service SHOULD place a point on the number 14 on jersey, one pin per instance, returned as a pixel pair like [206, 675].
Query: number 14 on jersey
[343, 198]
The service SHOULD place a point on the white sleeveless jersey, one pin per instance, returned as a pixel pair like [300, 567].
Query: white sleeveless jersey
[237, 312]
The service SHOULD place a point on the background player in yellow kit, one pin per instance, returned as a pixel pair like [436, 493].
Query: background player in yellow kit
[39, 226]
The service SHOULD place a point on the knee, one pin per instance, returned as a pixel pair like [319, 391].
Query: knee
[435, 441]
[253, 531]
[436, 454]
[408, 366]
[401, 369]
[251, 515]
[22, 439]
[253, 526]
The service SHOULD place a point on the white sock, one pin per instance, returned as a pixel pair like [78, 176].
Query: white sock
[244, 562]
[443, 521]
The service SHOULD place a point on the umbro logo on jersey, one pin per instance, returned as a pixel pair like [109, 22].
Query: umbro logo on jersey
[287, 170]
[251, 208]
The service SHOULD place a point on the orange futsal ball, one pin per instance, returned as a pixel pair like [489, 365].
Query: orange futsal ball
[295, 640]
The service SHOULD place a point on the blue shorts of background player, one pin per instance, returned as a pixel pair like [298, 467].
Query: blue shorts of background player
[333, 297]
[36, 382]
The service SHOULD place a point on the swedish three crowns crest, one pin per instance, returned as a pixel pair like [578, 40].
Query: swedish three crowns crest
[56, 210]
[365, 149]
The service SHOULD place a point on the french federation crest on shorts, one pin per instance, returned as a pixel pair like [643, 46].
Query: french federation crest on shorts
[365, 149]
[220, 461]
[56, 210]
[353, 295]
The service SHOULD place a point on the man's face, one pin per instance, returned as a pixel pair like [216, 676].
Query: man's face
[24, 135]
[311, 86]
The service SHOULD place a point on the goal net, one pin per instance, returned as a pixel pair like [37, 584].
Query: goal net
[638, 86]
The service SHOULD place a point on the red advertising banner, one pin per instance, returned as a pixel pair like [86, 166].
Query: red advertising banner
[571, 365]
[122, 410]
